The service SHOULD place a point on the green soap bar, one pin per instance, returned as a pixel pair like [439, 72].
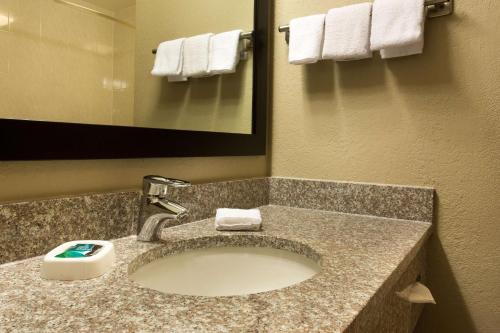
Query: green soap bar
[80, 251]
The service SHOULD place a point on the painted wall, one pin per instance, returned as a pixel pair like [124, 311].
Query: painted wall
[123, 68]
[430, 120]
[32, 180]
[221, 103]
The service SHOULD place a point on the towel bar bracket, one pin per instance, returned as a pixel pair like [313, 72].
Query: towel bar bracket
[438, 8]
[433, 8]
[286, 30]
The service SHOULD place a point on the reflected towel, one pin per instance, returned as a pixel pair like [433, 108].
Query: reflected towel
[177, 78]
[196, 56]
[169, 58]
[224, 52]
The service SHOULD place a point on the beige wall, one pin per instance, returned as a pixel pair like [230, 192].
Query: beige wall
[220, 103]
[32, 180]
[424, 120]
[123, 68]
[56, 63]
[113, 5]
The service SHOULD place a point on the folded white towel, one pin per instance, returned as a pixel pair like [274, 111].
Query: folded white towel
[347, 32]
[237, 219]
[224, 52]
[169, 58]
[196, 55]
[306, 39]
[398, 27]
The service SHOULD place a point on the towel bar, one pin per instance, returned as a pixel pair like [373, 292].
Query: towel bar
[248, 35]
[434, 8]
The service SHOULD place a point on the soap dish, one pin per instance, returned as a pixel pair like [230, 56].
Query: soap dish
[82, 268]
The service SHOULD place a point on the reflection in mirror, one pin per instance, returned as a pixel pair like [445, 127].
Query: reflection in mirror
[90, 62]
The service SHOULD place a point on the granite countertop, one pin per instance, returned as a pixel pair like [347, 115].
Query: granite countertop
[358, 256]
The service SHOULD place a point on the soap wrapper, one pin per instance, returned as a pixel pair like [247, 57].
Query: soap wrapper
[416, 293]
[80, 250]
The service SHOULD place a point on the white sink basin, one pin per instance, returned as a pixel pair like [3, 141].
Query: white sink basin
[225, 271]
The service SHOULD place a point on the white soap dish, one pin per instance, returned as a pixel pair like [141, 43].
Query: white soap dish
[82, 268]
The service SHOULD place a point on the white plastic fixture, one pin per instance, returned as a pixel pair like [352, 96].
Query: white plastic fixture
[68, 269]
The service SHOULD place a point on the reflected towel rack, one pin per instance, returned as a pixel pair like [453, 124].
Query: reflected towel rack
[244, 36]
[434, 8]
[93, 11]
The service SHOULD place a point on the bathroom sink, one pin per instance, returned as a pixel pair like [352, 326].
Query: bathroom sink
[225, 271]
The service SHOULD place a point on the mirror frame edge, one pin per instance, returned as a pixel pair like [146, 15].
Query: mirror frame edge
[25, 140]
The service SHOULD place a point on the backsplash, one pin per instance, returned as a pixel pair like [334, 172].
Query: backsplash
[202, 200]
[28, 229]
[33, 228]
[392, 201]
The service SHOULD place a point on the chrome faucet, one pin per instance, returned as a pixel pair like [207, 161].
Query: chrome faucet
[156, 208]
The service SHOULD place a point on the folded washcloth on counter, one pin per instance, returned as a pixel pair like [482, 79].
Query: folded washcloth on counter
[169, 59]
[225, 52]
[227, 219]
[196, 56]
[347, 33]
[398, 27]
[306, 39]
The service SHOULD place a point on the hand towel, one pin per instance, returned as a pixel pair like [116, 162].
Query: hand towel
[224, 52]
[398, 27]
[237, 219]
[169, 58]
[306, 39]
[196, 56]
[347, 32]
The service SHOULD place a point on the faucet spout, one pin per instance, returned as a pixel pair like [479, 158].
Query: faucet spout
[149, 230]
[156, 208]
[170, 206]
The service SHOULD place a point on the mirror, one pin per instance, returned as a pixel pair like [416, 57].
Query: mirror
[89, 62]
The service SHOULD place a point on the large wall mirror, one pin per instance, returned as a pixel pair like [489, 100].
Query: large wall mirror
[76, 80]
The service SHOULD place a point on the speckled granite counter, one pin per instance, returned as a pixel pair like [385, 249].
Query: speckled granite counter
[361, 258]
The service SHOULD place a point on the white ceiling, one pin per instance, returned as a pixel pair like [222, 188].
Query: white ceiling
[112, 4]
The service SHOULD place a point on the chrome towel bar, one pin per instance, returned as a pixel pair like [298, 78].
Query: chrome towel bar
[248, 35]
[434, 8]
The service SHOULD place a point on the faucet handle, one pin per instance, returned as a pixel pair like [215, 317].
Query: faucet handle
[158, 186]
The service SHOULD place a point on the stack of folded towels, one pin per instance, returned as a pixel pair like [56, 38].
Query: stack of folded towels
[227, 219]
[198, 56]
[393, 27]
